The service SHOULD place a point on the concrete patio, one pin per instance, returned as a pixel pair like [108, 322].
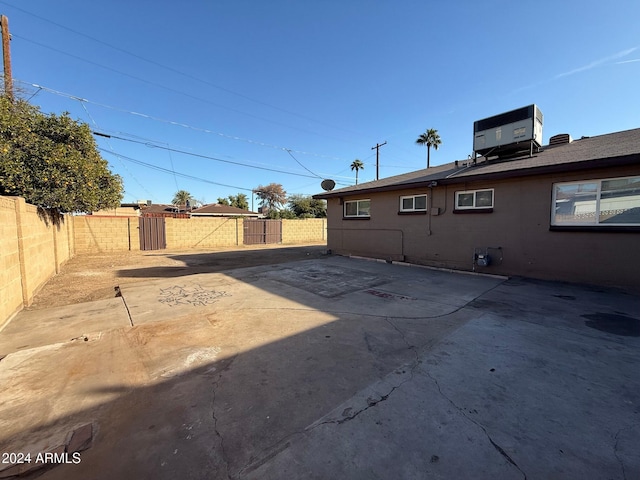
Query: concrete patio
[329, 368]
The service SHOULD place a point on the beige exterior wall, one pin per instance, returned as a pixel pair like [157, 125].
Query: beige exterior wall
[105, 234]
[519, 224]
[32, 250]
[304, 230]
[204, 232]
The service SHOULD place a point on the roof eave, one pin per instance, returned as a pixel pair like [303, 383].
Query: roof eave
[462, 177]
[548, 169]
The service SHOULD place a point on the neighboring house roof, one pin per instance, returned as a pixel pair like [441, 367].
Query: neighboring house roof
[159, 208]
[620, 148]
[217, 210]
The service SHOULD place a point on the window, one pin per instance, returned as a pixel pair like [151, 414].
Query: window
[614, 201]
[413, 203]
[357, 208]
[474, 199]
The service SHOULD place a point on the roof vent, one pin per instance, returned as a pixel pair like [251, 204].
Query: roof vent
[560, 139]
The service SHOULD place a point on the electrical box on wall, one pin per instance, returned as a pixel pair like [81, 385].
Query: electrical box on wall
[483, 260]
[481, 257]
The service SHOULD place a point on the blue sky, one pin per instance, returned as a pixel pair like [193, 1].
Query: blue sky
[234, 94]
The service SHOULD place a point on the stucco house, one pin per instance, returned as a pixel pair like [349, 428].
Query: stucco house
[566, 211]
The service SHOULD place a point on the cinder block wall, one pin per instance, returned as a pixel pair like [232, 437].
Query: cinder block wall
[204, 232]
[105, 234]
[304, 230]
[32, 250]
[10, 276]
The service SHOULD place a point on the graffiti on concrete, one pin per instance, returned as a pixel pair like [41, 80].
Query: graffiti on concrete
[195, 295]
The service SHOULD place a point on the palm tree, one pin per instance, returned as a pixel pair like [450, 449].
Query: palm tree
[357, 165]
[181, 198]
[430, 138]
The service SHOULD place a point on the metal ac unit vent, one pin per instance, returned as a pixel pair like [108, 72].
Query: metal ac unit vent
[508, 133]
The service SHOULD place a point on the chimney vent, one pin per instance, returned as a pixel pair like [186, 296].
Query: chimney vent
[560, 139]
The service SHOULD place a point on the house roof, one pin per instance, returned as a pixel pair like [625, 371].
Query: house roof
[620, 148]
[215, 209]
[157, 208]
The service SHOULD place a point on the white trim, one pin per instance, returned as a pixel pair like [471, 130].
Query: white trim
[402, 197]
[357, 215]
[474, 192]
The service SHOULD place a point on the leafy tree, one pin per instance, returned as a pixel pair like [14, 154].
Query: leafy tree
[271, 196]
[181, 197]
[357, 165]
[239, 201]
[284, 213]
[304, 206]
[430, 138]
[53, 161]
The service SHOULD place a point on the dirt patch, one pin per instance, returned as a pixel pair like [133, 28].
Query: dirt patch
[90, 277]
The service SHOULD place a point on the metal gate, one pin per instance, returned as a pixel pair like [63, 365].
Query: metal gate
[152, 233]
[262, 231]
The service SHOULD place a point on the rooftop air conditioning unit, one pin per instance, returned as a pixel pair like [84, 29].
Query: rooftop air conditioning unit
[508, 133]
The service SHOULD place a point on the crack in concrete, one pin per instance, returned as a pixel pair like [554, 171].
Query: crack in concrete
[373, 402]
[225, 457]
[498, 448]
[285, 442]
[615, 448]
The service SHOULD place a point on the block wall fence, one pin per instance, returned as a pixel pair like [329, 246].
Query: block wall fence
[33, 248]
[95, 234]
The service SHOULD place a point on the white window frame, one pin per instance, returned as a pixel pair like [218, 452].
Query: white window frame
[357, 215]
[413, 197]
[596, 222]
[475, 192]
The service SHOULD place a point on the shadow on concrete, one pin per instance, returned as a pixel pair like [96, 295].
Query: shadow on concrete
[278, 369]
[194, 263]
[264, 378]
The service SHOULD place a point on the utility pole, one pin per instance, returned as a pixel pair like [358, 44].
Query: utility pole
[6, 58]
[377, 149]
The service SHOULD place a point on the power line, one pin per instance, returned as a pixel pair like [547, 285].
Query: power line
[298, 162]
[173, 90]
[171, 122]
[199, 155]
[171, 172]
[173, 70]
[154, 144]
[123, 165]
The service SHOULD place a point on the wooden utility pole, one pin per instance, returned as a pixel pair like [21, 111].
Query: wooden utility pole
[377, 149]
[6, 58]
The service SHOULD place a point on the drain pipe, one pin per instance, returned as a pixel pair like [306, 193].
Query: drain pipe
[429, 203]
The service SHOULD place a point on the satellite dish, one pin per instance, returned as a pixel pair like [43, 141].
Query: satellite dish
[328, 184]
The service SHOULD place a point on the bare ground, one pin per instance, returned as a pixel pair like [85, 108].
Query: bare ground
[89, 277]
